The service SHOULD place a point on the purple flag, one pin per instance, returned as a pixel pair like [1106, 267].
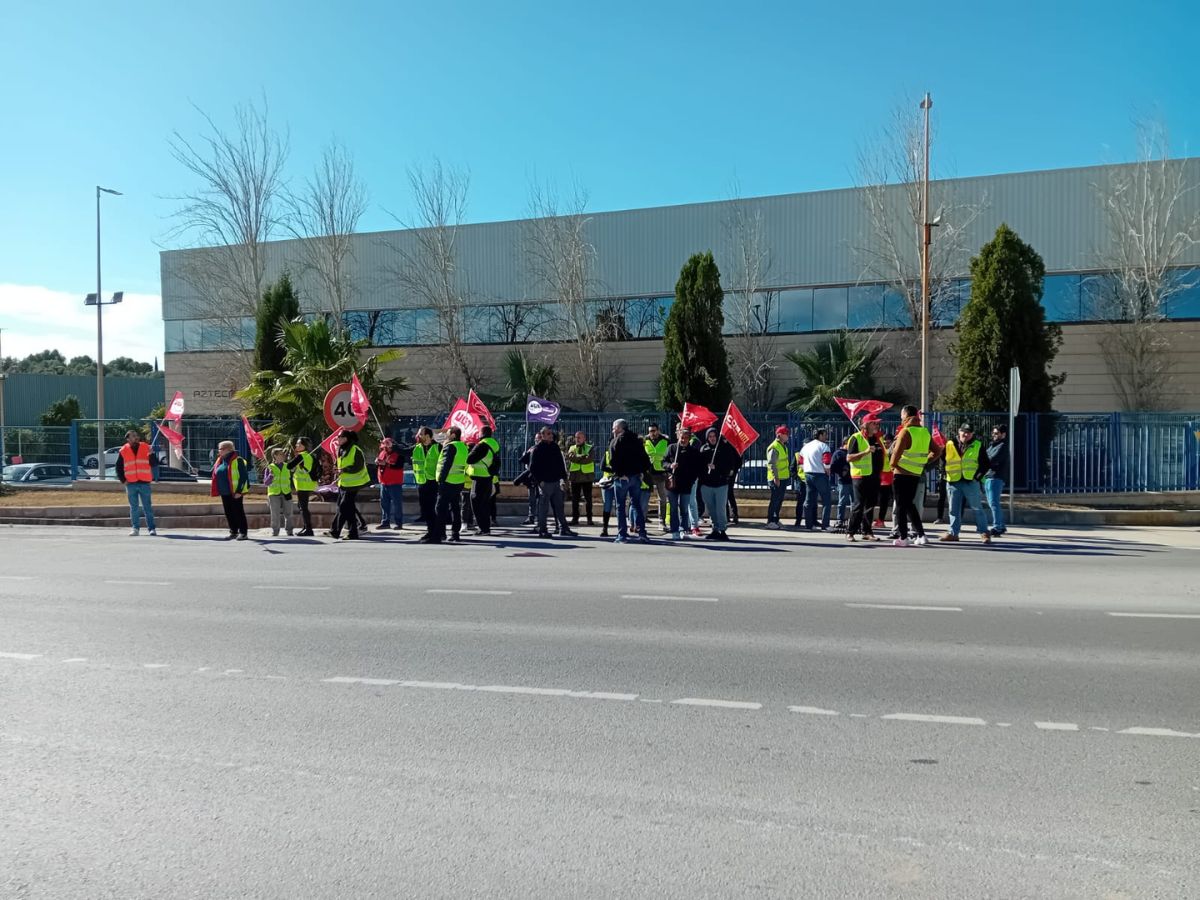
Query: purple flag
[542, 411]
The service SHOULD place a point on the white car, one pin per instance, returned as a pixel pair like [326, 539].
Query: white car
[110, 458]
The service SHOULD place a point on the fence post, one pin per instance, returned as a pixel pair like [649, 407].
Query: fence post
[1033, 462]
[1116, 453]
[1191, 458]
[73, 444]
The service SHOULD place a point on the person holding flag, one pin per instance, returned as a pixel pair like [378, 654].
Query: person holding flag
[353, 476]
[136, 466]
[718, 462]
[683, 467]
[864, 450]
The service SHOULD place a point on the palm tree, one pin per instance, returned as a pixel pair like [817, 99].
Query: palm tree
[316, 358]
[841, 367]
[522, 377]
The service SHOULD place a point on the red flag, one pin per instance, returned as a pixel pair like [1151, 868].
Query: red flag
[937, 437]
[359, 404]
[478, 408]
[175, 410]
[174, 438]
[853, 408]
[696, 418]
[737, 430]
[329, 445]
[258, 446]
[464, 419]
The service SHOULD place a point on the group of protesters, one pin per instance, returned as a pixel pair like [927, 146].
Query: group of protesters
[872, 475]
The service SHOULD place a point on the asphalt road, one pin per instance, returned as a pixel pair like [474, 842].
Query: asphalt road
[779, 716]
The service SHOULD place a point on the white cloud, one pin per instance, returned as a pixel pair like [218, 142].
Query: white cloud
[34, 318]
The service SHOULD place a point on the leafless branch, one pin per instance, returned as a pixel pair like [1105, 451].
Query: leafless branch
[749, 309]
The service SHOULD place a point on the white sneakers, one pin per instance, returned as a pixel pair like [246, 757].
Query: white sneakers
[773, 526]
[921, 541]
[133, 532]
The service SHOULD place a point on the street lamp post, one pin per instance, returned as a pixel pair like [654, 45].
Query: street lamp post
[3, 376]
[100, 459]
[926, 236]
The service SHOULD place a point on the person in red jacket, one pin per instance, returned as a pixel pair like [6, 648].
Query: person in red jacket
[390, 473]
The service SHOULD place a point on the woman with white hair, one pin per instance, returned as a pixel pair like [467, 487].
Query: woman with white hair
[231, 482]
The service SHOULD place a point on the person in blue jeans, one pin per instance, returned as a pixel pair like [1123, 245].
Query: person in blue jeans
[966, 464]
[843, 484]
[993, 481]
[137, 467]
[815, 458]
[629, 461]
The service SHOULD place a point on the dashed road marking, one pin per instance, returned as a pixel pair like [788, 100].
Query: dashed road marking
[722, 704]
[156, 665]
[813, 711]
[1144, 615]
[481, 593]
[1056, 726]
[380, 682]
[26, 656]
[940, 720]
[1157, 732]
[16, 578]
[138, 583]
[903, 607]
[74, 659]
[289, 587]
[670, 597]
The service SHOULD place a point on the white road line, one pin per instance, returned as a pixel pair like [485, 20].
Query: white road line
[1004, 724]
[20, 656]
[342, 679]
[903, 607]
[723, 704]
[74, 659]
[288, 587]
[483, 688]
[1157, 732]
[145, 583]
[941, 720]
[1139, 615]
[669, 597]
[859, 716]
[467, 591]
[155, 665]
[814, 711]
[1056, 726]
[16, 578]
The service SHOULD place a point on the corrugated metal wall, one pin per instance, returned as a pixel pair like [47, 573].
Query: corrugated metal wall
[26, 397]
[815, 239]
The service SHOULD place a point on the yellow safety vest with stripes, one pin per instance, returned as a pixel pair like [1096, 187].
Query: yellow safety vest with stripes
[483, 468]
[302, 475]
[914, 459]
[656, 452]
[588, 468]
[782, 469]
[346, 461]
[965, 467]
[864, 466]
[458, 465]
[425, 462]
[281, 480]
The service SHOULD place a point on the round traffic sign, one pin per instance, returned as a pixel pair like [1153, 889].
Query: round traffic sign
[337, 409]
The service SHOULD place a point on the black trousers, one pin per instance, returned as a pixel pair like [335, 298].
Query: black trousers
[732, 504]
[481, 503]
[885, 502]
[581, 490]
[302, 501]
[347, 512]
[235, 514]
[905, 488]
[941, 501]
[449, 511]
[427, 502]
[866, 495]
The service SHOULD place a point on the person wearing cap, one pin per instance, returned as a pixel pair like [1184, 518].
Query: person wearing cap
[864, 451]
[816, 458]
[779, 473]
[966, 464]
[389, 466]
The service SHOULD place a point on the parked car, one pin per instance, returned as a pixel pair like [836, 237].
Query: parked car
[39, 473]
[110, 458]
[170, 473]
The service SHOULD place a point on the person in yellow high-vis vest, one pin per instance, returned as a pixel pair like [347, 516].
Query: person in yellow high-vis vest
[779, 474]
[451, 476]
[425, 456]
[912, 451]
[278, 478]
[581, 474]
[303, 469]
[483, 462]
[353, 476]
[864, 451]
[966, 464]
[656, 445]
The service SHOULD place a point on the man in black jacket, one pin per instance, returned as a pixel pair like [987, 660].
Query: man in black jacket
[683, 467]
[548, 470]
[718, 462]
[629, 461]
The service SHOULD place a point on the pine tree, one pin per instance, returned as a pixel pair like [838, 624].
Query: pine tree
[1004, 325]
[695, 368]
[277, 306]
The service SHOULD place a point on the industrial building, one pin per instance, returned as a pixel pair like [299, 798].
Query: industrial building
[821, 275]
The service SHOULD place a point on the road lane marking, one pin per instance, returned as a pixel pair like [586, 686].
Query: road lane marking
[904, 607]
[468, 591]
[483, 688]
[20, 656]
[75, 659]
[813, 711]
[669, 597]
[16, 578]
[1157, 732]
[288, 587]
[140, 583]
[859, 716]
[1056, 726]
[1140, 615]
[722, 704]
[940, 720]
[155, 665]
[343, 679]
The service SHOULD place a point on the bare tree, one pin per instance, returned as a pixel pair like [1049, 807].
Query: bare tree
[559, 260]
[324, 215]
[425, 267]
[1153, 223]
[232, 211]
[749, 309]
[890, 174]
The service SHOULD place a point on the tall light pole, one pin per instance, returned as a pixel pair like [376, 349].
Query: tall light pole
[100, 459]
[3, 376]
[926, 235]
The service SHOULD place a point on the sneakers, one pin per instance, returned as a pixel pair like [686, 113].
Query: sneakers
[133, 532]
[948, 538]
[644, 539]
[382, 526]
[620, 540]
[152, 532]
[676, 536]
[241, 537]
[921, 541]
[567, 532]
[774, 526]
[696, 531]
[878, 523]
[307, 532]
[901, 542]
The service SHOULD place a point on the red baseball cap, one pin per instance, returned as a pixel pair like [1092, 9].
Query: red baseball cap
[782, 429]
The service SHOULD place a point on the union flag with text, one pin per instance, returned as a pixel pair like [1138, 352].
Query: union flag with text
[737, 430]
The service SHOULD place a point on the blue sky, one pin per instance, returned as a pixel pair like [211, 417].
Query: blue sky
[641, 104]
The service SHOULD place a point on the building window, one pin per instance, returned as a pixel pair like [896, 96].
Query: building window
[795, 311]
[947, 301]
[1061, 298]
[829, 309]
[866, 306]
[1185, 302]
[896, 311]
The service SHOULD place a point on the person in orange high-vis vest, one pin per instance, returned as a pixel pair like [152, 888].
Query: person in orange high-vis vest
[135, 468]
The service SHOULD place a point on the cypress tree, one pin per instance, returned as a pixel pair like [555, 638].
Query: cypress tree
[695, 368]
[277, 306]
[1004, 325]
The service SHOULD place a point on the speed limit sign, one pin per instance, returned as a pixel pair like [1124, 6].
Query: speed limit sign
[337, 409]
